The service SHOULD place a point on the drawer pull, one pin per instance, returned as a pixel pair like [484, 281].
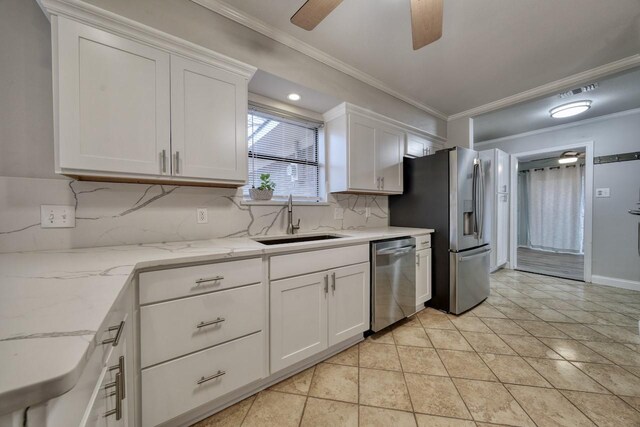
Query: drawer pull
[212, 377]
[426, 242]
[209, 279]
[211, 322]
[115, 340]
[118, 410]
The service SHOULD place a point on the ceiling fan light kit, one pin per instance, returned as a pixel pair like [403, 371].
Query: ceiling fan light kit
[426, 18]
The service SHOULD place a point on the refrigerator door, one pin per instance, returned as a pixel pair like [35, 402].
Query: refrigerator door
[469, 279]
[466, 199]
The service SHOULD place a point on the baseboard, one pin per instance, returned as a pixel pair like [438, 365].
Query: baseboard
[618, 283]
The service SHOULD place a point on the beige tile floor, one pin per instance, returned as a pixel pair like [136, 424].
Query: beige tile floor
[540, 351]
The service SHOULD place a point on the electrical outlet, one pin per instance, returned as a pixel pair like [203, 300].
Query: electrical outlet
[202, 215]
[57, 216]
[367, 212]
[338, 213]
[603, 192]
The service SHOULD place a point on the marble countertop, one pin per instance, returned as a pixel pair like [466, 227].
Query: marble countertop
[53, 302]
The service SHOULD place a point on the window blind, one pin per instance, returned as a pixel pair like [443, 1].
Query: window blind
[288, 151]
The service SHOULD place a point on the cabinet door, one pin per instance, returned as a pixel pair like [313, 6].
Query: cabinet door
[348, 302]
[423, 276]
[362, 154]
[420, 147]
[113, 102]
[502, 229]
[389, 149]
[503, 172]
[298, 318]
[208, 122]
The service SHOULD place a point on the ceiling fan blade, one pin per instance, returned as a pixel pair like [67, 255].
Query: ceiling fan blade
[313, 12]
[426, 22]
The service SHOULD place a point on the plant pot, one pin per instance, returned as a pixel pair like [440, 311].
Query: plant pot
[257, 194]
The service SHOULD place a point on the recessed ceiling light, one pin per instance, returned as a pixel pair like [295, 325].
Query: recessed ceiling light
[564, 160]
[293, 97]
[570, 109]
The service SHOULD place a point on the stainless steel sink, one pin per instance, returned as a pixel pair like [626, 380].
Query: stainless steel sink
[296, 239]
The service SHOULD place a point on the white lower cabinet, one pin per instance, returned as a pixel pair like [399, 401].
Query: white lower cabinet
[423, 270]
[312, 312]
[502, 229]
[180, 385]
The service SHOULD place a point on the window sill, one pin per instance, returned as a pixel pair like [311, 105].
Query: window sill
[250, 202]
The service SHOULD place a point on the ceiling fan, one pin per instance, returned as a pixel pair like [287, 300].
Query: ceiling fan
[426, 18]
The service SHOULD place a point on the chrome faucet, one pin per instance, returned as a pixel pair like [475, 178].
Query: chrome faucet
[291, 229]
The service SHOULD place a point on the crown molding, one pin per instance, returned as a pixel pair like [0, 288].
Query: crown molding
[288, 40]
[562, 126]
[86, 13]
[558, 85]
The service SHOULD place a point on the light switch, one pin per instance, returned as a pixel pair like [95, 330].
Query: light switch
[338, 213]
[57, 216]
[367, 212]
[602, 192]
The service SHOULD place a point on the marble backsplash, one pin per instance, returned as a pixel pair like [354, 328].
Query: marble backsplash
[115, 214]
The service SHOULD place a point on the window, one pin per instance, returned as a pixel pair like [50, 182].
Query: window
[288, 150]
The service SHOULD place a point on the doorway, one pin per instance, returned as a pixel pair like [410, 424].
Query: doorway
[551, 212]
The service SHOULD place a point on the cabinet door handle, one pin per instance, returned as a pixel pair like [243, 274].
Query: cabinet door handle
[418, 260]
[177, 159]
[163, 160]
[212, 377]
[382, 180]
[378, 183]
[115, 340]
[333, 283]
[211, 322]
[326, 284]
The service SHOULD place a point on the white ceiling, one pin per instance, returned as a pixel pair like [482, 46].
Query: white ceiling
[619, 92]
[489, 50]
[277, 88]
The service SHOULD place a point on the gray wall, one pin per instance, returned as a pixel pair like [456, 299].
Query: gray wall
[615, 232]
[26, 112]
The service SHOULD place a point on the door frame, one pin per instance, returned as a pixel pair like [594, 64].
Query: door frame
[588, 202]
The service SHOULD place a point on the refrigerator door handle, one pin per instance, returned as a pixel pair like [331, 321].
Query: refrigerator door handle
[474, 197]
[481, 201]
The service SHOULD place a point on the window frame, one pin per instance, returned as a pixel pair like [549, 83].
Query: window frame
[297, 120]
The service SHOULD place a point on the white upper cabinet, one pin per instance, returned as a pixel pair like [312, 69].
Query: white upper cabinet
[389, 150]
[365, 151]
[134, 104]
[113, 102]
[362, 154]
[418, 146]
[208, 116]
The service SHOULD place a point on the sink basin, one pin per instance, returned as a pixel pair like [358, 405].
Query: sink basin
[295, 239]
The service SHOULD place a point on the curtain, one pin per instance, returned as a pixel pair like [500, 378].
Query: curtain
[551, 209]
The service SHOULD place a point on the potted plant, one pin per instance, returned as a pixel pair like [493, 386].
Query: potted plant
[265, 191]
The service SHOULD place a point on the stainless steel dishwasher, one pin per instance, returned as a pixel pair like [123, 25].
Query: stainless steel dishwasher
[393, 281]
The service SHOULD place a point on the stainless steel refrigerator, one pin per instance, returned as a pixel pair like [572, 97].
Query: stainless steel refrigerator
[445, 191]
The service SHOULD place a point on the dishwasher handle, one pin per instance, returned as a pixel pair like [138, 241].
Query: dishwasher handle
[396, 251]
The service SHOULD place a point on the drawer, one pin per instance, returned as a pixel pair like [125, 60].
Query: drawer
[308, 262]
[172, 388]
[171, 329]
[187, 281]
[423, 242]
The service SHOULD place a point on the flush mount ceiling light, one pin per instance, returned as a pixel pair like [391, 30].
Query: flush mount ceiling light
[569, 157]
[570, 109]
[565, 160]
[293, 97]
